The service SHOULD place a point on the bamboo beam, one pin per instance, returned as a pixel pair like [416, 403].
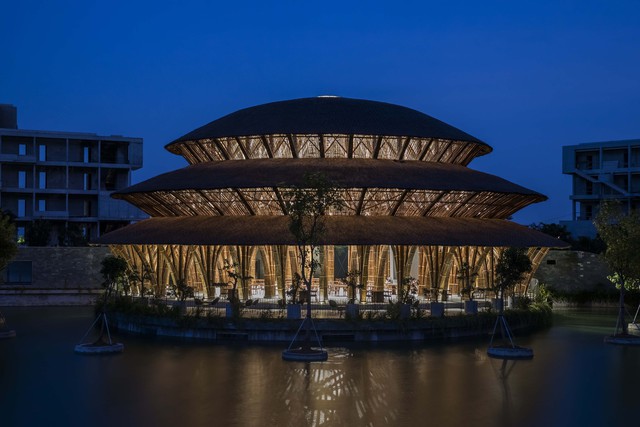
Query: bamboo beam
[321, 145]
[404, 148]
[213, 205]
[399, 202]
[292, 146]
[267, 146]
[244, 202]
[242, 148]
[425, 150]
[376, 149]
[222, 150]
[361, 201]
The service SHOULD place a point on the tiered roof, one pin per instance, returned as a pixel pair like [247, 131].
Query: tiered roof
[401, 175]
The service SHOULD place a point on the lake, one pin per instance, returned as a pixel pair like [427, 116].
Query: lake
[574, 380]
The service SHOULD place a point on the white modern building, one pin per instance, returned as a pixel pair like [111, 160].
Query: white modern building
[608, 170]
[65, 178]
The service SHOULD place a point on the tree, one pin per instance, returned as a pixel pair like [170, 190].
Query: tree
[555, 230]
[71, 235]
[235, 276]
[466, 275]
[135, 276]
[39, 233]
[306, 206]
[621, 233]
[352, 282]
[114, 270]
[183, 290]
[582, 243]
[511, 269]
[292, 292]
[8, 246]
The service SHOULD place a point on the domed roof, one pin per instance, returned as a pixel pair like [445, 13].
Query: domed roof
[328, 115]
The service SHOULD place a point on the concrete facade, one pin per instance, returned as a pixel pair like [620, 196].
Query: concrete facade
[65, 178]
[608, 170]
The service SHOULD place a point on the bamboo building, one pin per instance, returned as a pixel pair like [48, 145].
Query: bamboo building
[411, 206]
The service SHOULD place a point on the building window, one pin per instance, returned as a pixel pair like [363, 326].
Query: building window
[21, 207]
[86, 178]
[588, 212]
[85, 154]
[22, 149]
[22, 179]
[20, 231]
[87, 208]
[42, 180]
[18, 273]
[42, 205]
[42, 153]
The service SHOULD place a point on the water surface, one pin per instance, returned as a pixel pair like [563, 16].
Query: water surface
[574, 380]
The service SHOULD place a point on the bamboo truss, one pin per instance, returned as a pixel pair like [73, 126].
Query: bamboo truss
[356, 201]
[292, 146]
[202, 267]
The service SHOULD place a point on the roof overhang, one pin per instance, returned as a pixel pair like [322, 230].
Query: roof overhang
[339, 230]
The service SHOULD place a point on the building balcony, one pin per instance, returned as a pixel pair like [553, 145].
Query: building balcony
[15, 158]
[28, 190]
[50, 214]
[585, 197]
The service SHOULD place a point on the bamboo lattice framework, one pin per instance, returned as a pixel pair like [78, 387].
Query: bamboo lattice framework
[328, 146]
[355, 201]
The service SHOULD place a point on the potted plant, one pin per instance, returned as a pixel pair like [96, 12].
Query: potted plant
[307, 206]
[407, 296]
[510, 269]
[183, 291]
[294, 307]
[436, 307]
[352, 282]
[466, 276]
[233, 300]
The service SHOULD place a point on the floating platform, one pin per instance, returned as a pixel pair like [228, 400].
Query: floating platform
[99, 348]
[7, 334]
[622, 339]
[301, 355]
[509, 352]
[634, 328]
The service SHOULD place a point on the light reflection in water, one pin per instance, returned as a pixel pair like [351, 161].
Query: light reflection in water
[327, 394]
[574, 380]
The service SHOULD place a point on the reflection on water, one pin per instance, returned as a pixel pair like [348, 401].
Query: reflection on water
[574, 380]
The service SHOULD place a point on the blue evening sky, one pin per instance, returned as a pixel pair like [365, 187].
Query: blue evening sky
[524, 76]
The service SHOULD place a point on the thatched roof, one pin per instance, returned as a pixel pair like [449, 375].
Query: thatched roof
[328, 115]
[344, 173]
[340, 230]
